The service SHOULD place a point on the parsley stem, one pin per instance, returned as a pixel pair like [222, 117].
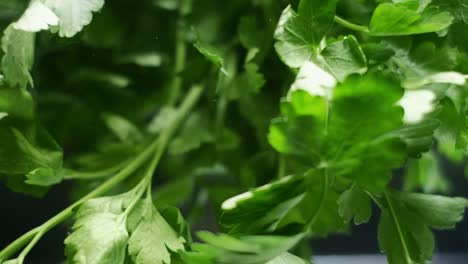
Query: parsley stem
[157, 146]
[221, 106]
[281, 166]
[376, 201]
[179, 60]
[398, 227]
[18, 243]
[92, 175]
[28, 248]
[350, 25]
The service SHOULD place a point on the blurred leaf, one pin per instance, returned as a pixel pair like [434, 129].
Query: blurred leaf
[407, 18]
[18, 48]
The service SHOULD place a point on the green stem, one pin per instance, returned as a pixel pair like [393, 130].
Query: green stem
[323, 198]
[179, 60]
[352, 26]
[140, 190]
[281, 166]
[158, 145]
[376, 201]
[92, 175]
[221, 107]
[220, 115]
[28, 248]
[18, 244]
[398, 227]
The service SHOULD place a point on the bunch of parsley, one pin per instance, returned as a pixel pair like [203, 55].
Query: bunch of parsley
[306, 108]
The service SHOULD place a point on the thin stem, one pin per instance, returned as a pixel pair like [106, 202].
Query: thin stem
[28, 248]
[145, 183]
[179, 60]
[397, 224]
[376, 201]
[158, 146]
[352, 26]
[221, 107]
[92, 175]
[281, 166]
[67, 212]
[140, 190]
[18, 243]
[220, 115]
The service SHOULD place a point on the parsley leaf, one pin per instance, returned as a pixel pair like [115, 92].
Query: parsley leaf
[407, 18]
[458, 8]
[212, 54]
[355, 204]
[405, 235]
[99, 233]
[151, 236]
[73, 14]
[18, 48]
[352, 123]
[264, 207]
[247, 249]
[426, 173]
[296, 41]
[287, 258]
[344, 57]
[37, 17]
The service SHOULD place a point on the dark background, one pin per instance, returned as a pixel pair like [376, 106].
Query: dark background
[20, 213]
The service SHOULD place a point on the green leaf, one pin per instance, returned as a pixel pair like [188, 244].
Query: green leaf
[100, 76]
[144, 59]
[454, 125]
[440, 77]
[38, 156]
[151, 236]
[44, 176]
[344, 57]
[174, 193]
[73, 14]
[407, 18]
[404, 234]
[418, 137]
[251, 35]
[195, 133]
[405, 240]
[425, 174]
[287, 258]
[18, 58]
[436, 211]
[99, 234]
[17, 184]
[319, 209]
[16, 103]
[458, 8]
[225, 249]
[165, 116]
[316, 82]
[298, 34]
[247, 83]
[355, 204]
[211, 54]
[36, 17]
[262, 208]
[123, 129]
[416, 62]
[353, 135]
